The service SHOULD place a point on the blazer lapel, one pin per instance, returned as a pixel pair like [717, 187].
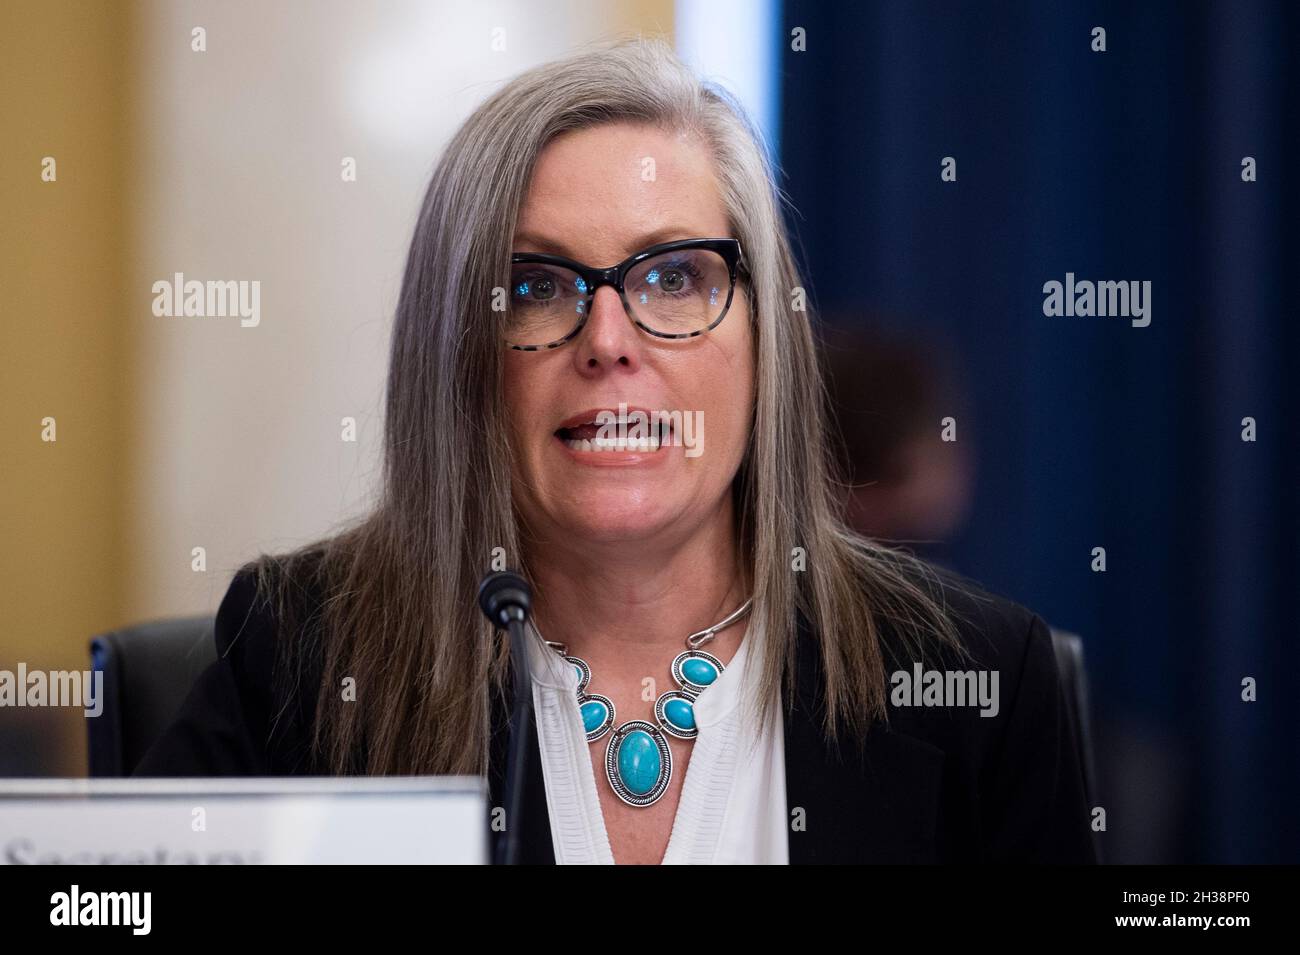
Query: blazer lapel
[872, 802]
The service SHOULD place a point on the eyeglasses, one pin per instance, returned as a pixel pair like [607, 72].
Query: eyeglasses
[673, 290]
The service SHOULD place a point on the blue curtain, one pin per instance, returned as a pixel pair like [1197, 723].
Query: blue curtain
[1089, 432]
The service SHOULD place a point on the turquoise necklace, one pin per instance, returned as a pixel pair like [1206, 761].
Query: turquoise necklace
[638, 762]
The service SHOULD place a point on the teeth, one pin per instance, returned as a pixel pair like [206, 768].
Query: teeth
[615, 444]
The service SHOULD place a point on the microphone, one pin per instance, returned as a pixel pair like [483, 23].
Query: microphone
[506, 599]
[503, 597]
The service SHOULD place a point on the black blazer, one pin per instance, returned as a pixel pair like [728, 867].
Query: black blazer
[932, 784]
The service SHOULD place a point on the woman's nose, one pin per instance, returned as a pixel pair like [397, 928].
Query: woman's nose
[609, 340]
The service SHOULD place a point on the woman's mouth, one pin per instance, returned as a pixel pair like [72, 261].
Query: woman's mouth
[643, 434]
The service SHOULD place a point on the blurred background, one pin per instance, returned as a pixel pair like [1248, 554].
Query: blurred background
[177, 434]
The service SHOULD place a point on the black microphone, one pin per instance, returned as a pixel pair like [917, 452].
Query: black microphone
[503, 597]
[506, 599]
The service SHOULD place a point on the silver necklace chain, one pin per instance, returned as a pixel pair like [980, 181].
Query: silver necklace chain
[694, 641]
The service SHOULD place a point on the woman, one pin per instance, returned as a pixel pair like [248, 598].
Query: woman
[646, 443]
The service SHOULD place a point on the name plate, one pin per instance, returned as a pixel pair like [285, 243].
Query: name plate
[375, 820]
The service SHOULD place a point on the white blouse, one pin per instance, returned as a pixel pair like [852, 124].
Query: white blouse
[732, 808]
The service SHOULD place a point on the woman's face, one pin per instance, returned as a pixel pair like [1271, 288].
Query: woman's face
[598, 196]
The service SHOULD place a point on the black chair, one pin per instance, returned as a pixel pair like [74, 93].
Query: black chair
[1074, 684]
[148, 671]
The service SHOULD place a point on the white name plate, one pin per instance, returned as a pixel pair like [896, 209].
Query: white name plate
[416, 820]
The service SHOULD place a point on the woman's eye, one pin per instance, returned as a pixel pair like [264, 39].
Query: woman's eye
[672, 280]
[538, 289]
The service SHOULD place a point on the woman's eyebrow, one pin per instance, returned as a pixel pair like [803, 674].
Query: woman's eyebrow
[667, 234]
[536, 243]
[542, 244]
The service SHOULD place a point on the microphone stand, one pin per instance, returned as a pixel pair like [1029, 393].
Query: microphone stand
[506, 599]
[521, 720]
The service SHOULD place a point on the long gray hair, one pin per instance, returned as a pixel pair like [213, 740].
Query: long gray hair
[399, 614]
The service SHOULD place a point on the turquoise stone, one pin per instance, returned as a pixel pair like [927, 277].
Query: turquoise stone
[593, 715]
[638, 762]
[578, 670]
[680, 713]
[698, 671]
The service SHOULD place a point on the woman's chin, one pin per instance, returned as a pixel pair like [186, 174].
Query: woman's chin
[617, 522]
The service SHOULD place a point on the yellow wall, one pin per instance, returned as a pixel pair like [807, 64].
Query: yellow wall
[62, 250]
